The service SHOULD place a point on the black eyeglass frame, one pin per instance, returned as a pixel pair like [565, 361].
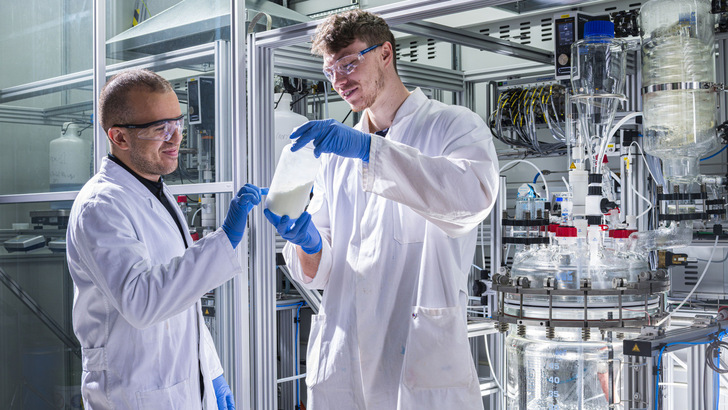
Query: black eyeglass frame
[147, 125]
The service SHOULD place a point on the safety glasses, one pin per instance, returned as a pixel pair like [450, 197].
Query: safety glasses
[347, 64]
[160, 130]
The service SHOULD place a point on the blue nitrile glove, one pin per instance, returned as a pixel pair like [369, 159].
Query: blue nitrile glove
[300, 231]
[333, 137]
[234, 225]
[224, 395]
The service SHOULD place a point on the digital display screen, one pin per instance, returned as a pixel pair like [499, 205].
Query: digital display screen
[566, 33]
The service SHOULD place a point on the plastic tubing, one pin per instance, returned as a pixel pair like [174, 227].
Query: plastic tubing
[490, 364]
[516, 161]
[603, 148]
[702, 275]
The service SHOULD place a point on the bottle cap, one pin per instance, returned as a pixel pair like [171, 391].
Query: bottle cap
[621, 233]
[599, 28]
[566, 231]
[181, 198]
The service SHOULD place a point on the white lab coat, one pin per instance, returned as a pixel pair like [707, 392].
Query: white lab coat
[136, 307]
[399, 236]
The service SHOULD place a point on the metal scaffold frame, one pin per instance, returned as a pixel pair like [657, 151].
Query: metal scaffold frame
[278, 51]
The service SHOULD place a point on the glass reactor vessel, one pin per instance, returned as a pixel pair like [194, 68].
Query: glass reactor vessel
[679, 96]
[566, 305]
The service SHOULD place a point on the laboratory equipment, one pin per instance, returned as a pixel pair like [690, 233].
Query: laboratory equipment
[199, 141]
[568, 29]
[292, 181]
[207, 206]
[598, 81]
[201, 102]
[57, 245]
[24, 243]
[570, 295]
[182, 204]
[52, 218]
[597, 78]
[69, 162]
[566, 306]
[679, 93]
[714, 286]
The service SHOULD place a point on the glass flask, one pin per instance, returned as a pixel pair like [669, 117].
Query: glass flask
[563, 367]
[562, 373]
[598, 67]
[679, 112]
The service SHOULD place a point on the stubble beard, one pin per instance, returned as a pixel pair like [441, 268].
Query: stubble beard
[146, 166]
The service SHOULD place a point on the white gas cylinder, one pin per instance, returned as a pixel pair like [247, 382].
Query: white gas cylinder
[70, 159]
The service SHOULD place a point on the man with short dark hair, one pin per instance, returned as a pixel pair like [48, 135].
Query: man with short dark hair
[390, 233]
[138, 277]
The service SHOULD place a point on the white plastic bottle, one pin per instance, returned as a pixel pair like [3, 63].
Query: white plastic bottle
[70, 162]
[293, 179]
[285, 122]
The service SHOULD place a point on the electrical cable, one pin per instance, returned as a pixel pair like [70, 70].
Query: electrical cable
[721, 150]
[713, 352]
[645, 160]
[659, 364]
[521, 110]
[707, 265]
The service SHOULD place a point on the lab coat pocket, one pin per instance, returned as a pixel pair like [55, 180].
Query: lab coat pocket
[313, 354]
[437, 354]
[177, 396]
[408, 225]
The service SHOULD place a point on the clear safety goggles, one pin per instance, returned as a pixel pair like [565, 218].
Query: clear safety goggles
[160, 130]
[347, 64]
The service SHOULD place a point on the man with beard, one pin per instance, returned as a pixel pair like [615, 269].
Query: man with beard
[138, 277]
[390, 233]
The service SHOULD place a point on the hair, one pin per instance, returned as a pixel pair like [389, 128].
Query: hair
[338, 31]
[114, 107]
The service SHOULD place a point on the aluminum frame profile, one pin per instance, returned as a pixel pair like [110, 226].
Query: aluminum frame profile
[312, 296]
[526, 70]
[261, 47]
[39, 116]
[395, 14]
[229, 307]
[721, 67]
[172, 59]
[192, 55]
[238, 289]
[297, 61]
[262, 239]
[475, 40]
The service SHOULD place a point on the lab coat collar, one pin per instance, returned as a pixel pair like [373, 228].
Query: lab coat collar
[121, 176]
[408, 107]
[155, 187]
